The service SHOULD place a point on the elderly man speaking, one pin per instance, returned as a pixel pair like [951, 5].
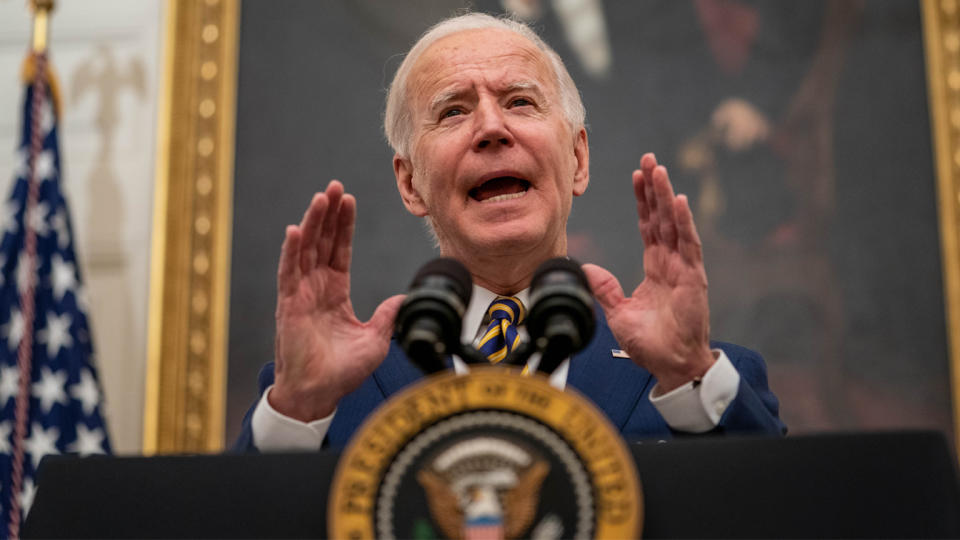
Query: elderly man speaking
[490, 147]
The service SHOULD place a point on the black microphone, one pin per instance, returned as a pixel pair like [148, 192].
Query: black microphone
[428, 323]
[561, 320]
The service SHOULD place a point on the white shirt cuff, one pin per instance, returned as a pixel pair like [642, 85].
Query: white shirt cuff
[698, 408]
[275, 432]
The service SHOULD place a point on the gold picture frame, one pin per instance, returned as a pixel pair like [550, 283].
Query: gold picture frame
[190, 259]
[191, 247]
[941, 32]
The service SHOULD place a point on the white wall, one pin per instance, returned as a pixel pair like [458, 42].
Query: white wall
[108, 57]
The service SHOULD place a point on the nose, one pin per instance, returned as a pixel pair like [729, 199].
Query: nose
[491, 128]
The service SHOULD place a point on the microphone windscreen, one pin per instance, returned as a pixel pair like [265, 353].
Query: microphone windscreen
[561, 320]
[568, 268]
[460, 282]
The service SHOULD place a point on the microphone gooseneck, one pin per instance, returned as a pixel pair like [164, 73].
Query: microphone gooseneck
[429, 321]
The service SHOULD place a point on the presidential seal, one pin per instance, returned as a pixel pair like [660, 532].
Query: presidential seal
[492, 454]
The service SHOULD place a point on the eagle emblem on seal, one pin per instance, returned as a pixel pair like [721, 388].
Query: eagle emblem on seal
[483, 488]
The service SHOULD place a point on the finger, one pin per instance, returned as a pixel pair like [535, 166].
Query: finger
[688, 241]
[643, 209]
[647, 166]
[606, 289]
[328, 233]
[384, 315]
[647, 169]
[288, 272]
[310, 230]
[648, 162]
[665, 197]
[343, 244]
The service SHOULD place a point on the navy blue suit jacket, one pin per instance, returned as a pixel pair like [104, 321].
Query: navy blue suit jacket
[617, 386]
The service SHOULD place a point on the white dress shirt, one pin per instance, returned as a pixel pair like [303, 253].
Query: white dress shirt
[693, 408]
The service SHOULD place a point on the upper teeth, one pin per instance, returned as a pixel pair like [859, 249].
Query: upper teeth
[505, 197]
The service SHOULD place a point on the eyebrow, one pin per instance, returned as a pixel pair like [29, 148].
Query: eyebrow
[443, 97]
[523, 85]
[450, 95]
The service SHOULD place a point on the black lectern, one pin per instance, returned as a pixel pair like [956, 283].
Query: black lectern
[880, 485]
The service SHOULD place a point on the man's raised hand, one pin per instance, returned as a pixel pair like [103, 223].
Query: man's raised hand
[665, 324]
[322, 351]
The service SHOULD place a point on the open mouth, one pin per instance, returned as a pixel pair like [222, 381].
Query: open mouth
[502, 188]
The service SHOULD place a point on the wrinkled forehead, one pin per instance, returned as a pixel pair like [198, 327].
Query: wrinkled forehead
[501, 55]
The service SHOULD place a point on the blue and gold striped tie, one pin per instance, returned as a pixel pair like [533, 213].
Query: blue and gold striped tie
[501, 336]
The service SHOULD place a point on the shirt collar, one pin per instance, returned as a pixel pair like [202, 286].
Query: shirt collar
[477, 310]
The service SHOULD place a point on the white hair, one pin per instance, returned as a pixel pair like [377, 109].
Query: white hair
[397, 119]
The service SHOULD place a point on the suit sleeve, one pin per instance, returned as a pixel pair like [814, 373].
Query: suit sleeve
[755, 410]
[244, 443]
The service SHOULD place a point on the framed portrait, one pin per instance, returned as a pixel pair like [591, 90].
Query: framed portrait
[817, 141]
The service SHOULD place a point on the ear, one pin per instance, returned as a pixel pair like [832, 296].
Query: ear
[581, 151]
[403, 170]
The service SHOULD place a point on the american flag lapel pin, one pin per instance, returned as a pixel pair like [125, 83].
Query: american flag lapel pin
[617, 353]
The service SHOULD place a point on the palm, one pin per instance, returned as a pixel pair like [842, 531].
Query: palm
[668, 306]
[664, 325]
[318, 324]
[322, 350]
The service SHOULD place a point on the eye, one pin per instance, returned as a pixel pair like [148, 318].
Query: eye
[453, 111]
[520, 102]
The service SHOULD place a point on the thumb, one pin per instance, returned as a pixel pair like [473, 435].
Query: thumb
[605, 286]
[384, 315]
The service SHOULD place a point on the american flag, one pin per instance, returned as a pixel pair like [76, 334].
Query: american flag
[57, 409]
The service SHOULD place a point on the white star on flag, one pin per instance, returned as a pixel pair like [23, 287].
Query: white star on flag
[27, 495]
[63, 275]
[86, 392]
[20, 165]
[37, 218]
[57, 333]
[14, 329]
[8, 216]
[89, 441]
[9, 383]
[5, 429]
[50, 388]
[45, 168]
[59, 223]
[83, 301]
[41, 442]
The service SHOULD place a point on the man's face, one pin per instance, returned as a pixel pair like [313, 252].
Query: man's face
[493, 162]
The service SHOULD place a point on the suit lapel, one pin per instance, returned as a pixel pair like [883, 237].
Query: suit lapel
[395, 372]
[615, 385]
